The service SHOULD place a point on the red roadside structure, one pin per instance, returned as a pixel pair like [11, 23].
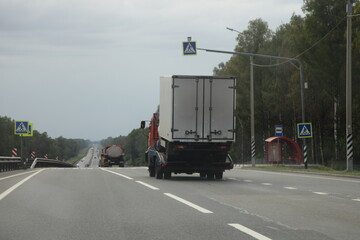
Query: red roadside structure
[274, 151]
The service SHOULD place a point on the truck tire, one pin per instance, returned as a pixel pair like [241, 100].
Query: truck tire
[210, 175]
[219, 175]
[202, 174]
[151, 171]
[167, 175]
[159, 173]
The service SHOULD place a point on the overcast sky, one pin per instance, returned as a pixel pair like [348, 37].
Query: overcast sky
[90, 68]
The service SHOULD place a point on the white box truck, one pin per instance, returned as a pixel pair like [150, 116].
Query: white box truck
[194, 128]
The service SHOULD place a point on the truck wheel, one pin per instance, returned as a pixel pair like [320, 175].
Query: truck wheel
[151, 172]
[167, 175]
[202, 174]
[210, 175]
[218, 175]
[159, 173]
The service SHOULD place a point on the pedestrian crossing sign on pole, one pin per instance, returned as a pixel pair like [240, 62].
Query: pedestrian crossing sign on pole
[21, 127]
[304, 130]
[189, 48]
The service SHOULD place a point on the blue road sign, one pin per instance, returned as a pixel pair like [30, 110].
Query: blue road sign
[304, 130]
[21, 127]
[278, 131]
[189, 48]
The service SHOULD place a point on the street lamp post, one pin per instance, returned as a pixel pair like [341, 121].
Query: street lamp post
[349, 146]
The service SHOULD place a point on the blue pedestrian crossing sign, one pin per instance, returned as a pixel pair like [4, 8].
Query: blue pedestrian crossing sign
[21, 127]
[304, 130]
[189, 48]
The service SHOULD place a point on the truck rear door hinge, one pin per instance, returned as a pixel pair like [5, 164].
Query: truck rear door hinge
[175, 86]
[232, 87]
[174, 130]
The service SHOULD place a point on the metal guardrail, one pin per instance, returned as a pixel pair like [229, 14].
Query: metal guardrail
[9, 163]
[43, 162]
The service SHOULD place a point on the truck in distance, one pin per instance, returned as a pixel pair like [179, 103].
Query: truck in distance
[194, 128]
[112, 155]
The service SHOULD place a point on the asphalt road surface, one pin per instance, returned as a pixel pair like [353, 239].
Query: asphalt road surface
[91, 159]
[124, 203]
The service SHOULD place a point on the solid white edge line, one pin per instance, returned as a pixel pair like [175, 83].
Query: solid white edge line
[19, 174]
[248, 231]
[200, 209]
[148, 185]
[7, 192]
[121, 175]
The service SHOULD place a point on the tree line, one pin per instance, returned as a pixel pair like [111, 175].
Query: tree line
[40, 143]
[318, 40]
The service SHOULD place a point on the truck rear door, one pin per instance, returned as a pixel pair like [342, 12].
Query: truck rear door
[187, 108]
[219, 108]
[203, 108]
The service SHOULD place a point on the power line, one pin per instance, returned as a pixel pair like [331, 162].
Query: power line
[312, 46]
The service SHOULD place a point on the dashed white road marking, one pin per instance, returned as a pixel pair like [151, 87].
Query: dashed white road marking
[320, 193]
[248, 231]
[248, 180]
[19, 174]
[200, 209]
[267, 184]
[148, 185]
[357, 199]
[121, 175]
[7, 192]
[290, 188]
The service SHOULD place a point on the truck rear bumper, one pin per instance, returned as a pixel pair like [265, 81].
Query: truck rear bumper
[188, 167]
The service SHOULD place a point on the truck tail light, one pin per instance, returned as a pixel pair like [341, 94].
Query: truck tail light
[180, 146]
[223, 147]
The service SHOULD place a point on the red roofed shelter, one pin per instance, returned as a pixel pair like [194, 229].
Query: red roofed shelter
[274, 150]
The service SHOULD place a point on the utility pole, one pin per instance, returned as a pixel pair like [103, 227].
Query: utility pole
[349, 140]
[252, 111]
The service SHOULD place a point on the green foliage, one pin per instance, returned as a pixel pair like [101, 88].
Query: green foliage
[318, 40]
[40, 143]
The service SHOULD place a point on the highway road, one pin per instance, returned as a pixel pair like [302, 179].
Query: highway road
[124, 203]
[91, 159]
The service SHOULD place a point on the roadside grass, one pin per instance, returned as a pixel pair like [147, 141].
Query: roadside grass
[77, 158]
[311, 169]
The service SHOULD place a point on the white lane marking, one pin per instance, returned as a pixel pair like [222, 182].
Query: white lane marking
[248, 180]
[19, 174]
[290, 188]
[232, 179]
[121, 175]
[200, 209]
[298, 174]
[357, 199]
[248, 231]
[320, 193]
[7, 192]
[148, 185]
[267, 184]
